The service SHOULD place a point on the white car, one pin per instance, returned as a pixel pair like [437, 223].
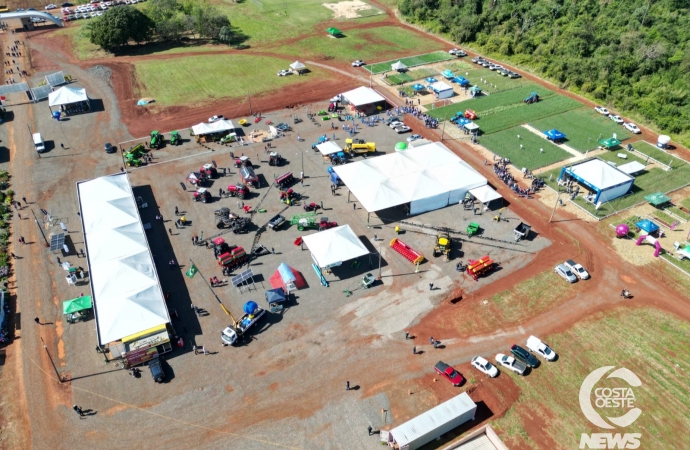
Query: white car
[358, 63]
[577, 269]
[460, 53]
[94, 14]
[484, 366]
[215, 118]
[511, 363]
[565, 273]
[51, 6]
[601, 110]
[414, 137]
[535, 345]
[403, 129]
[283, 73]
[396, 124]
[632, 128]
[454, 51]
[617, 119]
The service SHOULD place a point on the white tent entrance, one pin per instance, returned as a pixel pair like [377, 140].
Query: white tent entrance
[330, 248]
[70, 100]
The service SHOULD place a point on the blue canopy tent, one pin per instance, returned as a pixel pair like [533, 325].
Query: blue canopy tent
[418, 87]
[647, 225]
[554, 135]
[430, 80]
[448, 74]
[462, 121]
[462, 81]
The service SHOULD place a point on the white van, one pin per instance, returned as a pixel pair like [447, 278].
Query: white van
[38, 143]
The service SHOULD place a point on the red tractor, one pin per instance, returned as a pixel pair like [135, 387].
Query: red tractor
[239, 190]
[275, 159]
[310, 207]
[289, 197]
[243, 161]
[196, 178]
[202, 195]
[324, 224]
[208, 170]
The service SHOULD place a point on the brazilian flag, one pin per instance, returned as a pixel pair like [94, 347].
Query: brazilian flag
[192, 271]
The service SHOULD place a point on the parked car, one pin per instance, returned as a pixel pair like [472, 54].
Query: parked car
[504, 72]
[632, 128]
[565, 273]
[460, 53]
[454, 51]
[484, 366]
[66, 5]
[524, 356]
[617, 119]
[449, 373]
[486, 63]
[109, 148]
[283, 73]
[414, 137]
[495, 66]
[477, 59]
[51, 6]
[392, 119]
[395, 124]
[403, 129]
[514, 75]
[511, 363]
[358, 63]
[156, 369]
[601, 110]
[534, 344]
[577, 269]
[215, 118]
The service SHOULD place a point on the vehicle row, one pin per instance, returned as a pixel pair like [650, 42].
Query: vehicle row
[618, 119]
[496, 67]
[571, 271]
[520, 360]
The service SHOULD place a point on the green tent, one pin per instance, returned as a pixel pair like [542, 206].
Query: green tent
[77, 304]
[334, 31]
[400, 146]
[609, 143]
[657, 198]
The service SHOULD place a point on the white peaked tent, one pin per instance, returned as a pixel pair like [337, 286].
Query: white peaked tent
[328, 148]
[398, 66]
[333, 246]
[427, 177]
[298, 66]
[126, 292]
[606, 181]
[66, 96]
[215, 127]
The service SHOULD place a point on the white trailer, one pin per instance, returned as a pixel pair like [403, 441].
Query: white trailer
[432, 424]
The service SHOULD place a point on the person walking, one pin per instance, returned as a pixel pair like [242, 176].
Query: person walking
[78, 410]
[407, 335]
[13, 255]
[431, 286]
[170, 231]
[62, 146]
[354, 206]
[414, 350]
[369, 429]
[58, 259]
[196, 352]
[431, 340]
[273, 251]
[37, 320]
[203, 349]
[321, 204]
[21, 238]
[347, 385]
[24, 199]
[177, 211]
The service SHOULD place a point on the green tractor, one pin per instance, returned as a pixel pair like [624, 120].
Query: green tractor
[132, 161]
[228, 138]
[135, 152]
[156, 139]
[175, 138]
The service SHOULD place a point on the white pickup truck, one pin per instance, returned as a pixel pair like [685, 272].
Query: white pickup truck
[230, 333]
[511, 363]
[535, 345]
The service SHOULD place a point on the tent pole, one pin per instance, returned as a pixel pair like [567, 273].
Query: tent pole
[379, 263]
[368, 213]
[348, 195]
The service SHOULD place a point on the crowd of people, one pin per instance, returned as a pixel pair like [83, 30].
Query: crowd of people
[13, 52]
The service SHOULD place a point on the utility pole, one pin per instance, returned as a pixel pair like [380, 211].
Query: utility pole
[443, 130]
[40, 228]
[51, 361]
[249, 97]
[554, 206]
[379, 263]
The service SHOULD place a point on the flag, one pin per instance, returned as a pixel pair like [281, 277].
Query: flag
[192, 271]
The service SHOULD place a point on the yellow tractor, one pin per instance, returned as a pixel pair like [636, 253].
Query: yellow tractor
[443, 245]
[359, 146]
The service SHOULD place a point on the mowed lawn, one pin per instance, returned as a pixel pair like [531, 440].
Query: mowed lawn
[505, 143]
[366, 44]
[196, 79]
[653, 180]
[650, 343]
[412, 61]
[583, 128]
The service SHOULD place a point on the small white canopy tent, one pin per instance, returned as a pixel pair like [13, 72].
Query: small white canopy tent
[298, 66]
[66, 96]
[331, 247]
[126, 291]
[328, 148]
[485, 194]
[632, 168]
[215, 127]
[398, 66]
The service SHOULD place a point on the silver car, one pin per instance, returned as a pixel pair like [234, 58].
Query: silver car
[563, 271]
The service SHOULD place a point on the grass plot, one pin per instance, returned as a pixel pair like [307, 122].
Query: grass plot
[505, 143]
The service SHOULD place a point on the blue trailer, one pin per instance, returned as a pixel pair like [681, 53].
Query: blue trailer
[335, 179]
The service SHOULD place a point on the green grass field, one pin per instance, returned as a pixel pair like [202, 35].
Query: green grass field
[523, 113]
[656, 352]
[654, 180]
[413, 75]
[652, 151]
[583, 128]
[411, 61]
[458, 66]
[505, 143]
[679, 212]
[197, 79]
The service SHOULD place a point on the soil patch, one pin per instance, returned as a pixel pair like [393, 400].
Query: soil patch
[349, 9]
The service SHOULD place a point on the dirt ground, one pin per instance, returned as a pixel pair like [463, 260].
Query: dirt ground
[285, 387]
[348, 9]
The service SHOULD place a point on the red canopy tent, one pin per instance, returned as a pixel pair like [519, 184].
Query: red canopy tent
[287, 278]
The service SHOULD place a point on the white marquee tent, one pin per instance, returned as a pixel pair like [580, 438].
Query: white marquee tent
[126, 291]
[215, 127]
[605, 180]
[485, 194]
[362, 96]
[427, 177]
[328, 148]
[398, 66]
[333, 246]
[66, 96]
[298, 66]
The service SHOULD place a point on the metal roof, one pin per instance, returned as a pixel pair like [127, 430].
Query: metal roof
[56, 79]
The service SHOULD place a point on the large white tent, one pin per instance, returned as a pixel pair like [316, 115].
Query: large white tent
[328, 148]
[66, 96]
[333, 246]
[126, 291]
[605, 180]
[215, 127]
[427, 177]
[362, 96]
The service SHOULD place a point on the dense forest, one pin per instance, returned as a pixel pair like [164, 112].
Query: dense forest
[631, 55]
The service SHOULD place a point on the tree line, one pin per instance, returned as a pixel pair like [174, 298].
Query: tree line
[161, 20]
[634, 56]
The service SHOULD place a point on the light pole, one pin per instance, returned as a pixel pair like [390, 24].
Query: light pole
[40, 229]
[558, 199]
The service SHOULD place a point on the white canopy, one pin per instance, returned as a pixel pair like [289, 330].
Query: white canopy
[440, 86]
[67, 95]
[333, 246]
[126, 292]
[429, 177]
[632, 167]
[362, 96]
[599, 174]
[485, 194]
[329, 147]
[215, 127]
[398, 66]
[297, 66]
[471, 126]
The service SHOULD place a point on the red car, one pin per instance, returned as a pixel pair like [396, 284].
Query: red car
[449, 373]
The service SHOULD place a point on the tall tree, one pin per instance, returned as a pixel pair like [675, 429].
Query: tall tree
[119, 26]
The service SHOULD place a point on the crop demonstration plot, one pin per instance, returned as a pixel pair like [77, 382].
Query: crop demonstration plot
[410, 61]
[180, 81]
[583, 128]
[506, 144]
